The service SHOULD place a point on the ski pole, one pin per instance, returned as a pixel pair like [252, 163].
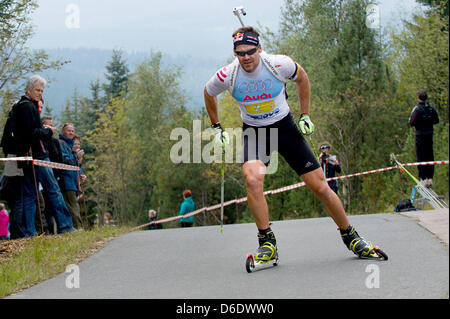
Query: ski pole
[430, 196]
[237, 12]
[222, 195]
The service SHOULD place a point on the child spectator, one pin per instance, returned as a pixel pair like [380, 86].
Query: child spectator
[4, 221]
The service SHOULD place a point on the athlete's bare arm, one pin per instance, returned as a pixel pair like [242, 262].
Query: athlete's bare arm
[303, 90]
[212, 107]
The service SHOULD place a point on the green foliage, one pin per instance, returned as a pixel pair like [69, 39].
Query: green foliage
[421, 53]
[15, 30]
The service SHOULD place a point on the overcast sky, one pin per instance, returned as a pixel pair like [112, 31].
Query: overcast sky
[196, 27]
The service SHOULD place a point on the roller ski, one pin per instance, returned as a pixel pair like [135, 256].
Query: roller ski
[359, 246]
[265, 256]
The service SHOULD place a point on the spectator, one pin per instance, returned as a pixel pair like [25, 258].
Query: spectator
[30, 135]
[151, 218]
[81, 176]
[70, 178]
[80, 153]
[186, 207]
[54, 152]
[4, 222]
[53, 147]
[423, 117]
[330, 164]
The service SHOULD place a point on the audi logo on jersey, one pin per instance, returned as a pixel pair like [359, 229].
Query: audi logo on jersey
[257, 97]
[258, 86]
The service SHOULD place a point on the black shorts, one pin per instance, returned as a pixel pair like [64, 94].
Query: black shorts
[282, 136]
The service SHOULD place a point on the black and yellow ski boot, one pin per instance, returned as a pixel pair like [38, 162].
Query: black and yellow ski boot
[267, 250]
[359, 246]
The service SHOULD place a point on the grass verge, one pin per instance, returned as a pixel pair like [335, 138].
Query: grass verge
[28, 261]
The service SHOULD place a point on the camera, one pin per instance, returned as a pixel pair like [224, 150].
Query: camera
[324, 156]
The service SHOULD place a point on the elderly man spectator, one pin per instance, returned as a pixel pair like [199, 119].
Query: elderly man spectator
[152, 217]
[70, 178]
[30, 134]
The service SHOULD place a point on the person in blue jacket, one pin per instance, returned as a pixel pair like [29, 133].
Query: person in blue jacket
[186, 207]
[69, 185]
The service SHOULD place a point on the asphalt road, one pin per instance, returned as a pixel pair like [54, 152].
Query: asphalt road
[203, 263]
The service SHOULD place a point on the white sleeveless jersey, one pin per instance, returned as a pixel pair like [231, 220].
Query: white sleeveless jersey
[261, 93]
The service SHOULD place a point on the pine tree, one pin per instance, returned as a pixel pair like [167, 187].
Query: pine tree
[117, 74]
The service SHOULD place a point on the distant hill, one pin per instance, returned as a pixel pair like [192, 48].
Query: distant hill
[88, 65]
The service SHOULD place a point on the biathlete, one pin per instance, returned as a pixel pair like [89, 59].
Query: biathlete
[257, 81]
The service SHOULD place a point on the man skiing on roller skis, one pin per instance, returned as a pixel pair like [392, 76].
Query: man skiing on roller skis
[257, 81]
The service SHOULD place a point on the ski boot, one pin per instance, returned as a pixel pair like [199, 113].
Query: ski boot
[359, 246]
[267, 252]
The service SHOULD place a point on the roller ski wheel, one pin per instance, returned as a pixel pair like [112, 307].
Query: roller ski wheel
[372, 252]
[251, 265]
[381, 254]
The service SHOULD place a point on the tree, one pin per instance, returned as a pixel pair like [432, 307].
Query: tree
[15, 30]
[117, 75]
[114, 162]
[154, 98]
[422, 58]
[440, 5]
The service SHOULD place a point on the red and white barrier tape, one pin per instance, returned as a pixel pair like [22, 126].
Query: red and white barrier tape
[283, 189]
[41, 163]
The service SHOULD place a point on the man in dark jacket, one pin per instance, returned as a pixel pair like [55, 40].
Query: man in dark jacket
[31, 134]
[423, 117]
[330, 164]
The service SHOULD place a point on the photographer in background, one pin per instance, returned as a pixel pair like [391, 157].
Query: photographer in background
[330, 164]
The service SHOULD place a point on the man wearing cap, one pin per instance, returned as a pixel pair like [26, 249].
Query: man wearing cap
[257, 81]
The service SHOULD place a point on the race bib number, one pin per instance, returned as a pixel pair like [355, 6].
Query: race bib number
[259, 108]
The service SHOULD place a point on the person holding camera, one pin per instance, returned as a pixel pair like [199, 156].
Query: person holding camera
[330, 164]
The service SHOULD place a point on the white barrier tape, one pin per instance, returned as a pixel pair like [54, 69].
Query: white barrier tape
[56, 165]
[11, 159]
[41, 163]
[286, 188]
[426, 163]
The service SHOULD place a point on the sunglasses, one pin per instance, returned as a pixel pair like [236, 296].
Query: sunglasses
[249, 52]
[324, 147]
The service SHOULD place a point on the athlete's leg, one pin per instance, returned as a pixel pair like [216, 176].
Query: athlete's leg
[333, 205]
[254, 172]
